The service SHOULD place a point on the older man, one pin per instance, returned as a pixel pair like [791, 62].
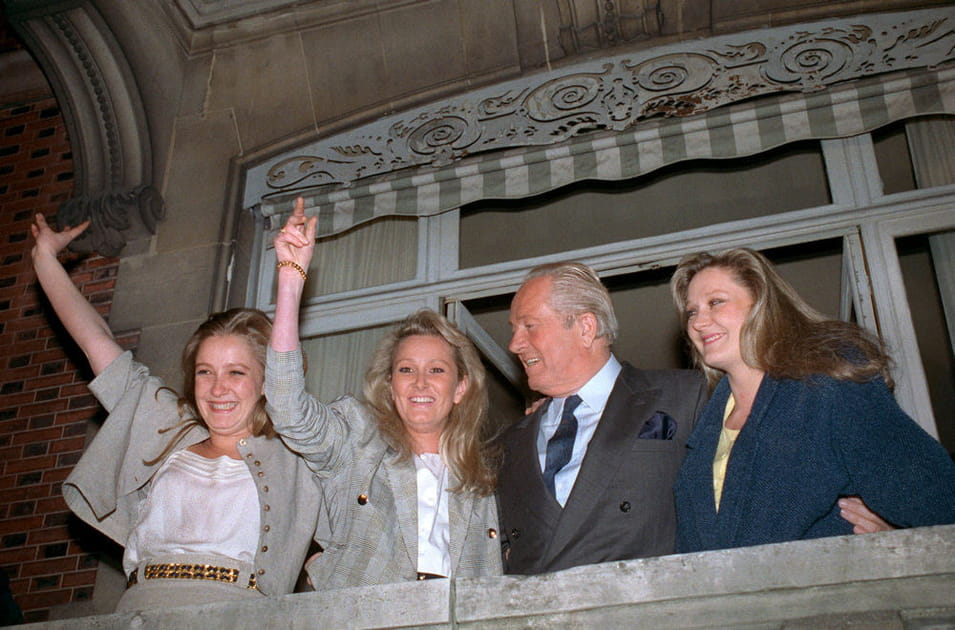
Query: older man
[588, 476]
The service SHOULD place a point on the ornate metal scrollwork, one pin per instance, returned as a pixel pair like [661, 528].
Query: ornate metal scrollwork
[618, 92]
[815, 59]
[443, 138]
[563, 97]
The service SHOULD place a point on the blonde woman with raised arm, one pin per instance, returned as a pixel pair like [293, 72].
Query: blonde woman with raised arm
[407, 478]
[207, 502]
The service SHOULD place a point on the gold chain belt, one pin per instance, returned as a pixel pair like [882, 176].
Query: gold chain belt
[190, 572]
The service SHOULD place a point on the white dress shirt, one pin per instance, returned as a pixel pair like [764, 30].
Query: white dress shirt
[434, 525]
[593, 396]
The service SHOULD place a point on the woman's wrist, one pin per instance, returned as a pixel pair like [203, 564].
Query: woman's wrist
[292, 267]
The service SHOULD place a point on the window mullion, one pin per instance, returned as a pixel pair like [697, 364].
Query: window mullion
[852, 170]
[856, 285]
[895, 323]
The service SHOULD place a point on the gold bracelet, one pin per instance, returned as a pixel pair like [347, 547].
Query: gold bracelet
[294, 265]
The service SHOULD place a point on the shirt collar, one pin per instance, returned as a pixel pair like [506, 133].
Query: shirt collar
[596, 391]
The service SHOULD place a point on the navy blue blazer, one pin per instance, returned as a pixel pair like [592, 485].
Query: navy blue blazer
[805, 445]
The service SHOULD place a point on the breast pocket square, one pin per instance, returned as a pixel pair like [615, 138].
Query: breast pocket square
[659, 426]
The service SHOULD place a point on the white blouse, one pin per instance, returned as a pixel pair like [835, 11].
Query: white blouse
[434, 525]
[197, 505]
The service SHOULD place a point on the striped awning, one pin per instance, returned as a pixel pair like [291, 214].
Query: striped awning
[736, 130]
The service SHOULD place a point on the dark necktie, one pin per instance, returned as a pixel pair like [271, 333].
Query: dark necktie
[561, 445]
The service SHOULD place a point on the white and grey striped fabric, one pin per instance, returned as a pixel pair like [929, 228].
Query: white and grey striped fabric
[740, 129]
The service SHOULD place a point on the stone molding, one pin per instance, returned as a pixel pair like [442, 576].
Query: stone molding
[898, 579]
[203, 25]
[583, 25]
[617, 93]
[101, 105]
[588, 25]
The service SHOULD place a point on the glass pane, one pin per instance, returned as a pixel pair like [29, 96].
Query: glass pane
[373, 254]
[682, 196]
[892, 156]
[337, 363]
[922, 273]
[506, 401]
[931, 145]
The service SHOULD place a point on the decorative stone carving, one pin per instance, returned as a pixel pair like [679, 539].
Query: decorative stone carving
[104, 116]
[589, 25]
[617, 93]
[111, 215]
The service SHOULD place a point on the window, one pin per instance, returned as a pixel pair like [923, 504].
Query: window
[842, 217]
[682, 196]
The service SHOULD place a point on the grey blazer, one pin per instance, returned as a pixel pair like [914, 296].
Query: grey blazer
[111, 480]
[371, 498]
[621, 506]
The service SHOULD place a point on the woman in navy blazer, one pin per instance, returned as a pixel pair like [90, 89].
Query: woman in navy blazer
[802, 417]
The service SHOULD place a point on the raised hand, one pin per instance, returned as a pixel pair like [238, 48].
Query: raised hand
[296, 241]
[84, 323]
[294, 246]
[48, 241]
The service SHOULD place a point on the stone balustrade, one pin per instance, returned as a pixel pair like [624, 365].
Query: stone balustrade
[903, 579]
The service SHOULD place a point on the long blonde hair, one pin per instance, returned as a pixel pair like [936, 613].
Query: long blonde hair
[783, 335]
[464, 443]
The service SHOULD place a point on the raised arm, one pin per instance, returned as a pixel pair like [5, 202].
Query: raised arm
[294, 246]
[85, 325]
[307, 426]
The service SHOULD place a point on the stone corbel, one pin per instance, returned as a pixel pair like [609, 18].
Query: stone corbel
[111, 216]
[97, 93]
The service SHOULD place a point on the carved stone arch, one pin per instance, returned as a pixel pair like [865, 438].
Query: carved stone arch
[101, 104]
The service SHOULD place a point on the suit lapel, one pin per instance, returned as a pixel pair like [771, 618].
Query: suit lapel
[460, 509]
[699, 477]
[528, 468]
[402, 479]
[528, 444]
[739, 470]
[610, 446]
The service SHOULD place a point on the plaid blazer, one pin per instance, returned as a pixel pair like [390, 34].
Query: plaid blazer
[368, 519]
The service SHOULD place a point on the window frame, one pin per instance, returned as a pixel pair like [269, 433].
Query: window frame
[866, 219]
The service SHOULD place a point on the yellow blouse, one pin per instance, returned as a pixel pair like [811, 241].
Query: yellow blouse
[723, 449]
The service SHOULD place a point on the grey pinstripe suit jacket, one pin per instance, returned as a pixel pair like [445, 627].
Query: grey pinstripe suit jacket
[621, 506]
[369, 511]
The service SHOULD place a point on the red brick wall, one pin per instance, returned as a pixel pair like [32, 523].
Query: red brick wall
[47, 554]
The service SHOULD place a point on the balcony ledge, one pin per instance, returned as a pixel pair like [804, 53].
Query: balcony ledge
[901, 579]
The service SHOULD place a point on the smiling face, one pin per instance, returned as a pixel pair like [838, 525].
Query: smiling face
[229, 383]
[425, 386]
[716, 307]
[558, 359]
